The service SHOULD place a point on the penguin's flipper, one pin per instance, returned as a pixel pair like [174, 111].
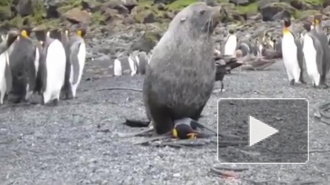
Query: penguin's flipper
[74, 61]
[300, 57]
[319, 54]
[9, 78]
[136, 123]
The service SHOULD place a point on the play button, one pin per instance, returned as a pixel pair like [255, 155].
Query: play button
[259, 131]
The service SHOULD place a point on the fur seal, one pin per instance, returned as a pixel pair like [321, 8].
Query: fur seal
[181, 74]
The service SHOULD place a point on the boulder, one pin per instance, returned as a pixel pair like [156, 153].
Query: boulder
[76, 15]
[115, 5]
[52, 12]
[326, 3]
[5, 13]
[241, 2]
[24, 8]
[147, 42]
[264, 3]
[300, 5]
[278, 9]
[112, 15]
[163, 1]
[92, 6]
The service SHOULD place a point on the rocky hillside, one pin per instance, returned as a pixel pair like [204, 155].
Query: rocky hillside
[98, 13]
[132, 18]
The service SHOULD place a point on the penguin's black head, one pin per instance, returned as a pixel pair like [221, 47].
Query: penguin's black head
[307, 25]
[231, 31]
[55, 33]
[183, 131]
[287, 22]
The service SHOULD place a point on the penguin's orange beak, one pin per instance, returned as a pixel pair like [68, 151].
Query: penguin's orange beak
[192, 136]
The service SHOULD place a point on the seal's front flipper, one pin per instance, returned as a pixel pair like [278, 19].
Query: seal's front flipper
[146, 141]
[184, 143]
[136, 123]
[146, 132]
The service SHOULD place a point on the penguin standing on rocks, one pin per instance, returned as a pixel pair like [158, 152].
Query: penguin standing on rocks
[143, 62]
[52, 70]
[230, 43]
[313, 55]
[326, 51]
[133, 61]
[24, 62]
[5, 73]
[292, 54]
[76, 57]
[117, 68]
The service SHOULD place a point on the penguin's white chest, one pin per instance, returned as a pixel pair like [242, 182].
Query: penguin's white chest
[310, 59]
[290, 57]
[117, 68]
[55, 67]
[132, 65]
[3, 86]
[230, 45]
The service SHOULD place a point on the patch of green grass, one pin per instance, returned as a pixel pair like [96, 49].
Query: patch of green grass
[299, 14]
[251, 8]
[69, 4]
[144, 3]
[179, 4]
[97, 18]
[222, 1]
[5, 2]
[16, 22]
[314, 2]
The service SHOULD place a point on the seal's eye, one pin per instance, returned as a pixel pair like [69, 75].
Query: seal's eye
[201, 12]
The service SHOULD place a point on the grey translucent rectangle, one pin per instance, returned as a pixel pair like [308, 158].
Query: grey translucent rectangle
[289, 146]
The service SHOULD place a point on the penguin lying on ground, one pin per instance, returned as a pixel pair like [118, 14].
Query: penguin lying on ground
[292, 54]
[76, 57]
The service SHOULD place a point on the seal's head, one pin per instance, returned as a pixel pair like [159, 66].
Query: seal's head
[198, 18]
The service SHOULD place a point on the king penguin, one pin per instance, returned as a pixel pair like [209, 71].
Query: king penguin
[230, 43]
[53, 69]
[5, 73]
[23, 62]
[313, 55]
[292, 54]
[326, 51]
[76, 57]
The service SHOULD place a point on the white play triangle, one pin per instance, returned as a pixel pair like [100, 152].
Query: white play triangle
[259, 131]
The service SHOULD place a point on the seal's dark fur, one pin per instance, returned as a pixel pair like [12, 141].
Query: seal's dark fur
[180, 77]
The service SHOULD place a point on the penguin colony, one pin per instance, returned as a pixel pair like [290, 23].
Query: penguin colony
[50, 65]
[312, 47]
